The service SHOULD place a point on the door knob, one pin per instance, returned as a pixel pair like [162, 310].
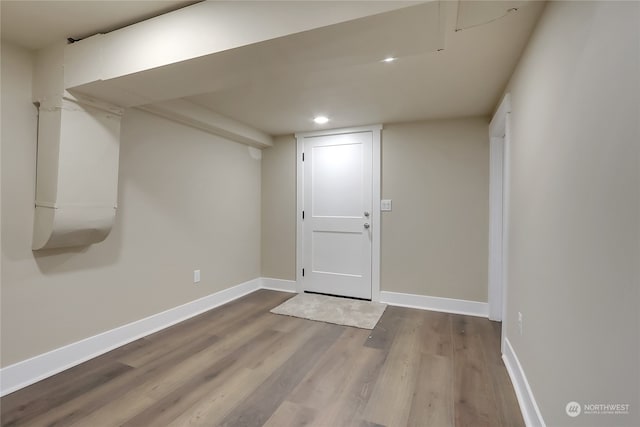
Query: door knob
[366, 225]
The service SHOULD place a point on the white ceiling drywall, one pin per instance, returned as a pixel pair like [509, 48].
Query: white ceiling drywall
[36, 24]
[454, 60]
[148, 71]
[465, 79]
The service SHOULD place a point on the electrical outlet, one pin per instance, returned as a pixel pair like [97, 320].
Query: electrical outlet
[520, 322]
[196, 276]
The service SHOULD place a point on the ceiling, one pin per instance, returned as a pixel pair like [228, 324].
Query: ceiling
[36, 24]
[464, 79]
[454, 59]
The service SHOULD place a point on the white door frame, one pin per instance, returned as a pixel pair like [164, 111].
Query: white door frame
[498, 179]
[376, 131]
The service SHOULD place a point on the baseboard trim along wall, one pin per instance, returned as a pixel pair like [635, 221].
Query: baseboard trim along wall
[27, 372]
[445, 305]
[279, 285]
[528, 406]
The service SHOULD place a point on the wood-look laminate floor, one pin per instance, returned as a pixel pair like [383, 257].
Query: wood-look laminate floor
[239, 365]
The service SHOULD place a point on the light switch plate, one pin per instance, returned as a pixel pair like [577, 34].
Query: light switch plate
[385, 205]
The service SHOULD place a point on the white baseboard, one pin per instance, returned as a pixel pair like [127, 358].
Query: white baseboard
[526, 400]
[446, 305]
[279, 284]
[26, 372]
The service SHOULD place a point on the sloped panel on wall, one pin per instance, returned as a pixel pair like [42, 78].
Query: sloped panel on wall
[77, 173]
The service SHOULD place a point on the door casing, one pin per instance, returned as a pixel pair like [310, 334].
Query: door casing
[376, 131]
[500, 142]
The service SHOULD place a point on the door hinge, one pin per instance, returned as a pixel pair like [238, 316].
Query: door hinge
[302, 214]
[303, 157]
[303, 272]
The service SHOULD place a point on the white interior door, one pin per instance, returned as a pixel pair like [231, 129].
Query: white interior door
[338, 204]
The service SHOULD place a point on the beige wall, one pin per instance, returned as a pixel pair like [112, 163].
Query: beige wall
[574, 211]
[279, 209]
[187, 200]
[435, 241]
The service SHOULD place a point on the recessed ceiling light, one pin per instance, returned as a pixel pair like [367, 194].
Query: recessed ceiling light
[389, 59]
[320, 120]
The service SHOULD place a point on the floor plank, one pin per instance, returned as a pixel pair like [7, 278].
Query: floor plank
[239, 365]
[474, 397]
[77, 409]
[202, 366]
[291, 415]
[24, 414]
[432, 403]
[338, 387]
[383, 334]
[175, 401]
[262, 403]
[240, 381]
[397, 380]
